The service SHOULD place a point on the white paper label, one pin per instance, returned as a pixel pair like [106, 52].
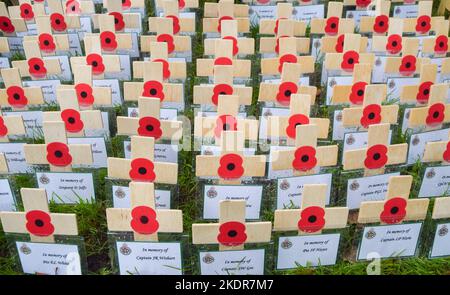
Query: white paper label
[121, 197]
[163, 152]
[338, 127]
[245, 262]
[6, 197]
[435, 182]
[418, 142]
[15, 156]
[441, 243]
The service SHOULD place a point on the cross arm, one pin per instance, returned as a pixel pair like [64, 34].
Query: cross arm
[441, 208]
[204, 127]
[352, 116]
[434, 151]
[173, 92]
[14, 124]
[15, 222]
[241, 67]
[208, 165]
[287, 219]
[129, 126]
[370, 211]
[276, 126]
[354, 159]
[36, 154]
[165, 172]
[268, 92]
[326, 156]
[203, 94]
[257, 232]
[52, 65]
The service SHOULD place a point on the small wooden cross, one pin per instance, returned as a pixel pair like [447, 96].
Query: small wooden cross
[397, 207]
[306, 157]
[284, 21]
[148, 122]
[141, 166]
[232, 232]
[407, 64]
[312, 217]
[113, 5]
[171, 12]
[11, 25]
[420, 93]
[286, 28]
[36, 220]
[436, 151]
[229, 31]
[231, 165]
[379, 22]
[55, 151]
[111, 40]
[377, 154]
[392, 43]
[60, 20]
[300, 109]
[79, 7]
[11, 125]
[335, 44]
[437, 45]
[423, 23]
[15, 95]
[182, 4]
[215, 13]
[75, 121]
[226, 119]
[26, 11]
[334, 23]
[124, 19]
[354, 94]
[142, 218]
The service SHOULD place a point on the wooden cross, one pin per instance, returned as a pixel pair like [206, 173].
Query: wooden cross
[424, 23]
[215, 13]
[379, 22]
[334, 23]
[231, 232]
[377, 154]
[226, 119]
[406, 65]
[306, 157]
[111, 40]
[223, 84]
[284, 21]
[280, 94]
[75, 121]
[55, 151]
[354, 94]
[153, 86]
[36, 66]
[312, 217]
[15, 95]
[113, 5]
[420, 93]
[123, 19]
[393, 43]
[436, 151]
[36, 219]
[397, 207]
[142, 218]
[11, 25]
[437, 45]
[26, 11]
[148, 122]
[182, 4]
[229, 31]
[60, 20]
[231, 165]
[79, 7]
[141, 166]
[171, 12]
[300, 109]
[224, 56]
[10, 125]
[435, 112]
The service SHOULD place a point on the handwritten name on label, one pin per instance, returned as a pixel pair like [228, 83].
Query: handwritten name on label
[435, 182]
[243, 262]
[15, 156]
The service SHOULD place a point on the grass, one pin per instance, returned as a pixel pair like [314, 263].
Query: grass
[92, 221]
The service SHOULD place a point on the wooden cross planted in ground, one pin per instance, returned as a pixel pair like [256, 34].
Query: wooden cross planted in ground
[11, 25]
[215, 13]
[231, 232]
[312, 217]
[26, 10]
[437, 45]
[11, 125]
[335, 44]
[142, 218]
[377, 154]
[306, 157]
[84, 7]
[334, 23]
[60, 20]
[55, 151]
[397, 207]
[423, 23]
[36, 220]
[283, 23]
[15, 95]
[379, 22]
[142, 167]
[148, 123]
[123, 19]
[225, 120]
[182, 4]
[171, 12]
[124, 5]
[111, 40]
[437, 151]
[75, 120]
[241, 45]
[393, 43]
[354, 94]
[420, 93]
[232, 164]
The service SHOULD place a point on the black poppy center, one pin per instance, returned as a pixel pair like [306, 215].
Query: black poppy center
[39, 223]
[142, 170]
[435, 114]
[46, 43]
[149, 128]
[108, 40]
[287, 93]
[83, 94]
[222, 93]
[71, 120]
[73, 8]
[394, 210]
[232, 233]
[37, 67]
[360, 92]
[312, 218]
[441, 44]
[226, 126]
[16, 96]
[426, 91]
[381, 23]
[153, 91]
[394, 43]
[376, 156]
[116, 21]
[94, 63]
[144, 219]
[26, 11]
[298, 124]
[351, 61]
[231, 166]
[58, 22]
[408, 65]
[5, 24]
[58, 154]
[123, 1]
[423, 24]
[371, 116]
[333, 25]
[305, 158]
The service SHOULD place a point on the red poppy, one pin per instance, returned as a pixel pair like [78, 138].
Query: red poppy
[294, 121]
[84, 94]
[119, 24]
[357, 94]
[289, 58]
[26, 11]
[394, 210]
[223, 61]
[36, 67]
[72, 120]
[225, 123]
[424, 92]
[408, 65]
[332, 25]
[6, 25]
[142, 170]
[96, 61]
[277, 46]
[166, 70]
[39, 223]
[263, 1]
[219, 27]
[126, 4]
[285, 90]
[311, 219]
[339, 47]
[231, 166]
[181, 4]
[305, 158]
[446, 154]
[108, 41]
[153, 88]
[149, 126]
[349, 60]
[58, 154]
[57, 22]
[220, 89]
[371, 115]
[144, 220]
[16, 96]
[175, 23]
[363, 3]
[381, 24]
[394, 44]
[441, 44]
[168, 39]
[232, 233]
[423, 24]
[73, 7]
[436, 114]
[275, 30]
[376, 156]
[46, 43]
[3, 128]
[235, 42]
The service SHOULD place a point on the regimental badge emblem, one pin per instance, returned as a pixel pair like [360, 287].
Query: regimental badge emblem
[350, 140]
[397, 10]
[208, 152]
[125, 250]
[267, 113]
[44, 179]
[407, 114]
[416, 140]
[284, 185]
[431, 173]
[316, 44]
[128, 147]
[211, 193]
[443, 231]
[120, 193]
[378, 62]
[354, 186]
[350, 15]
[134, 113]
[286, 244]
[391, 84]
[25, 249]
[370, 234]
[339, 117]
[208, 259]
[332, 82]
